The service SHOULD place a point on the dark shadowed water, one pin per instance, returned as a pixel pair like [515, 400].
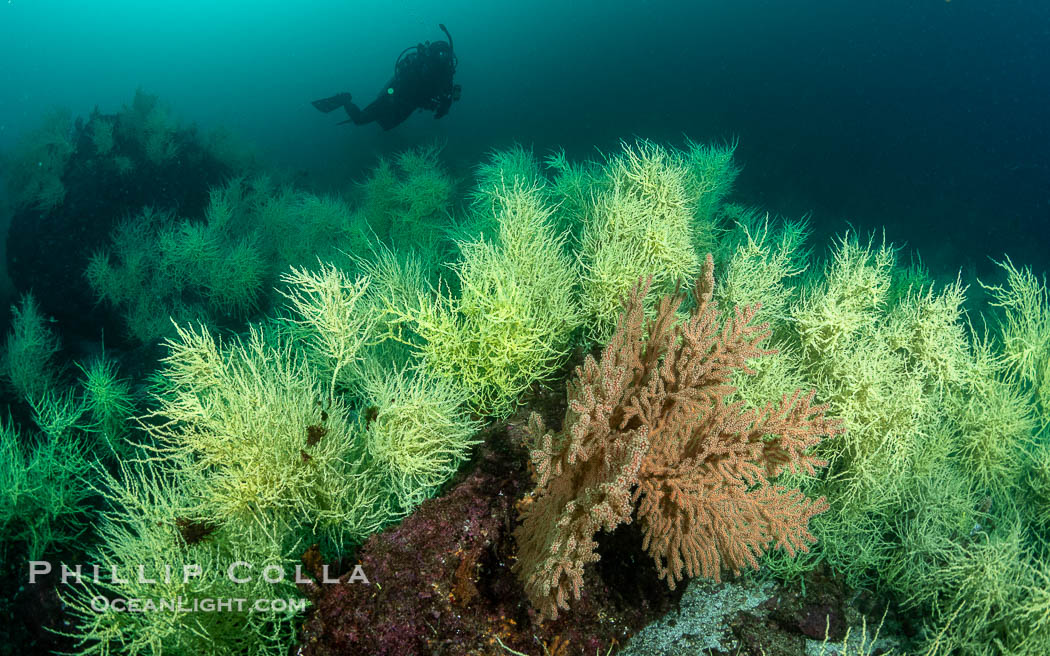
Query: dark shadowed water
[927, 117]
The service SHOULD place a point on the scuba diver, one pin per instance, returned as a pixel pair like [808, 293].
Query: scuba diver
[422, 80]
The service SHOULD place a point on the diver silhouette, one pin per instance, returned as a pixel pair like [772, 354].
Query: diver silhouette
[422, 80]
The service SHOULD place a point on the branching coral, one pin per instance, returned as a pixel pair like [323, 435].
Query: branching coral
[29, 351]
[764, 259]
[255, 450]
[511, 322]
[148, 123]
[1024, 329]
[650, 429]
[329, 319]
[408, 200]
[161, 266]
[109, 400]
[419, 432]
[39, 162]
[640, 226]
[217, 269]
[42, 490]
[261, 434]
[156, 550]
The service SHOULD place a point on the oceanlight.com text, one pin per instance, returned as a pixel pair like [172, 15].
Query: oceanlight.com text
[198, 605]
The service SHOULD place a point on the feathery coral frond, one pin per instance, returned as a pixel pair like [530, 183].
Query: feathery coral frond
[650, 429]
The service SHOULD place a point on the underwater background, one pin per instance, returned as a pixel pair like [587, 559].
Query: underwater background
[913, 115]
[238, 332]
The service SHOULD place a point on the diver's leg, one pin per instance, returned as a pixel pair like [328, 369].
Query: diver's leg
[333, 103]
[394, 115]
[359, 116]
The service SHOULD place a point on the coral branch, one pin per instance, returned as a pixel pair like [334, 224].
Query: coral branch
[651, 429]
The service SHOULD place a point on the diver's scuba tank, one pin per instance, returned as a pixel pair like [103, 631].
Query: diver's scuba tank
[437, 46]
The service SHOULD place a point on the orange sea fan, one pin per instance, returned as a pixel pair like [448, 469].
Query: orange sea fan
[650, 430]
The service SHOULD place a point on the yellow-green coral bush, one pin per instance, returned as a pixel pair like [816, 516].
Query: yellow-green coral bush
[416, 430]
[935, 486]
[512, 166]
[1024, 330]
[646, 212]
[409, 200]
[712, 173]
[640, 226]
[330, 319]
[43, 477]
[210, 260]
[516, 309]
[160, 267]
[995, 423]
[419, 431]
[573, 185]
[501, 169]
[29, 351]
[255, 451]
[218, 269]
[109, 401]
[147, 123]
[846, 353]
[1036, 490]
[34, 176]
[983, 597]
[42, 490]
[397, 281]
[764, 259]
[150, 523]
[260, 433]
[296, 228]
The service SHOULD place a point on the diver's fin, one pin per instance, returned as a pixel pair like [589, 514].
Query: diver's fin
[331, 104]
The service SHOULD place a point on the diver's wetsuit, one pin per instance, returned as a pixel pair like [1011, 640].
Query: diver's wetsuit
[422, 80]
